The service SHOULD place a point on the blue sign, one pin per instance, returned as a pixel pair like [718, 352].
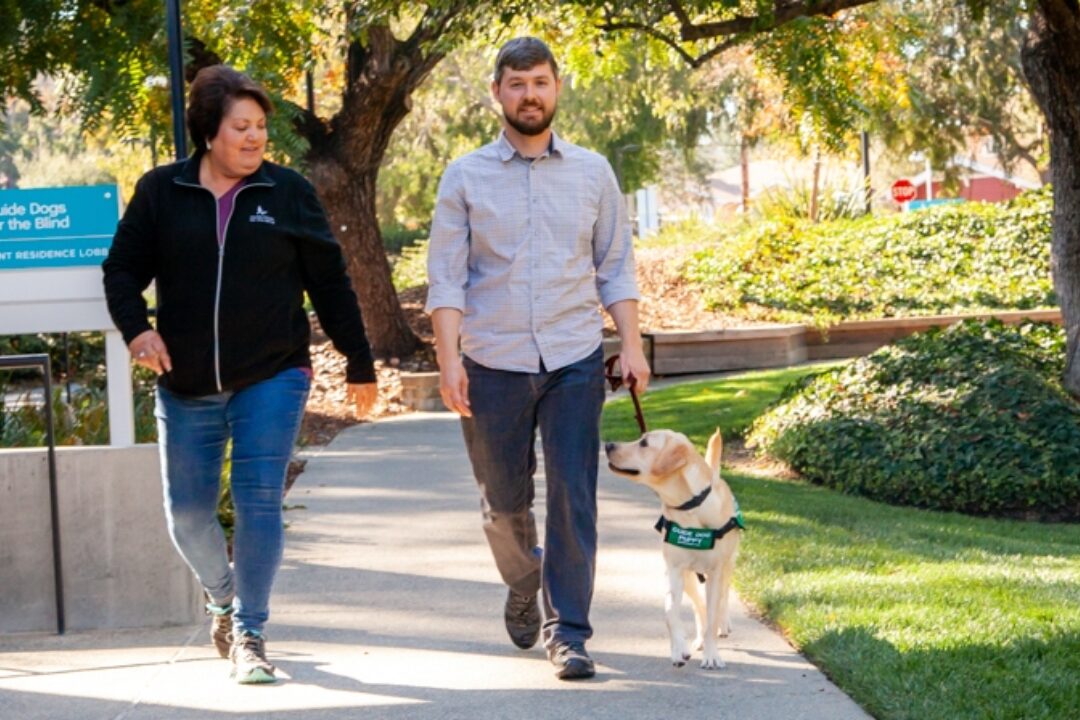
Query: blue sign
[57, 227]
[919, 204]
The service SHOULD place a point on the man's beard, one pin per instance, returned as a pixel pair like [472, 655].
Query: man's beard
[535, 127]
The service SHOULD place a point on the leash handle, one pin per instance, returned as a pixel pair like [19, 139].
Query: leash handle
[631, 383]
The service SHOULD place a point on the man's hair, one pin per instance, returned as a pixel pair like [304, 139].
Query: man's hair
[213, 91]
[524, 53]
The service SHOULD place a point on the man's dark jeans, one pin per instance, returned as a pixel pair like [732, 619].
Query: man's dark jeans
[508, 408]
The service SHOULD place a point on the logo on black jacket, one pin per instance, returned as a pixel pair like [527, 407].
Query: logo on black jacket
[262, 216]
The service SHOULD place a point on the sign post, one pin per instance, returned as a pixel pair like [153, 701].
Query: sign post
[52, 244]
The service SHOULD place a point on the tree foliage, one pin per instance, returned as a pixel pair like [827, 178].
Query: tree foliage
[923, 75]
[814, 70]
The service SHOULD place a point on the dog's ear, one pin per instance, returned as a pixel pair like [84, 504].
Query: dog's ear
[674, 456]
[714, 450]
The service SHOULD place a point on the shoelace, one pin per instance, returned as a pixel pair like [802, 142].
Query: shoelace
[252, 648]
[519, 604]
[571, 648]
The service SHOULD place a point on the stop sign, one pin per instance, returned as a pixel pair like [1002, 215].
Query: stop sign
[902, 191]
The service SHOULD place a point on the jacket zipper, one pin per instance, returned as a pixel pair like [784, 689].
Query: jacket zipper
[220, 267]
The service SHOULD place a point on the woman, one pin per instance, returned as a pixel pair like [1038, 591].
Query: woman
[232, 242]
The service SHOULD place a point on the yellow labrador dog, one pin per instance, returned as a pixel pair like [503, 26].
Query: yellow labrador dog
[698, 524]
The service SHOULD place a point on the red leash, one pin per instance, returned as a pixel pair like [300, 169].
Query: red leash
[617, 382]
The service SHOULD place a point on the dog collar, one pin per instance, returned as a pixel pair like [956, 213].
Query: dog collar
[696, 500]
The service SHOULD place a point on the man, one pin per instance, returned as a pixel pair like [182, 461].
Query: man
[529, 237]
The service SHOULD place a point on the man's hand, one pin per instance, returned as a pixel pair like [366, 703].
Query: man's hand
[632, 363]
[363, 396]
[454, 385]
[632, 357]
[148, 350]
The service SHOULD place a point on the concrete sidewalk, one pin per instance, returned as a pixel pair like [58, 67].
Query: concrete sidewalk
[388, 606]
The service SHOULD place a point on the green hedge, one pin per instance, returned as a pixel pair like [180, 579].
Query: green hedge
[972, 418]
[953, 258]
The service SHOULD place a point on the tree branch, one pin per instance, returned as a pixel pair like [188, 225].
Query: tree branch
[611, 26]
[680, 13]
[784, 13]
[433, 25]
[201, 56]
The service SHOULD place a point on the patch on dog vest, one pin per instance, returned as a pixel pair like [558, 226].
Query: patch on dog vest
[692, 538]
[697, 538]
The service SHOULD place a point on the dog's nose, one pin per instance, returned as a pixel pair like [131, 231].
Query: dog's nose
[608, 447]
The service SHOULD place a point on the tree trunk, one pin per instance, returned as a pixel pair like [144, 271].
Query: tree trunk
[349, 199]
[1051, 64]
[814, 186]
[344, 162]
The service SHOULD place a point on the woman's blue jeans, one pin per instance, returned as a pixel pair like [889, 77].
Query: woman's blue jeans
[263, 421]
[508, 408]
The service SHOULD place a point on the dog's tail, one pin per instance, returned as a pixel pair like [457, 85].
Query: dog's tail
[712, 453]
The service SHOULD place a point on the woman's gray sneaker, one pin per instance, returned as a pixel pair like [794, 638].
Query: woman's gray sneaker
[249, 663]
[221, 632]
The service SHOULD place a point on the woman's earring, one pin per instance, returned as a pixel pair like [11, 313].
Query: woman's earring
[207, 144]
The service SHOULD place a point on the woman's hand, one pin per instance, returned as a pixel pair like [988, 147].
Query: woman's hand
[363, 396]
[148, 350]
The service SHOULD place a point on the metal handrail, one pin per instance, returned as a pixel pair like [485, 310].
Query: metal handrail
[42, 362]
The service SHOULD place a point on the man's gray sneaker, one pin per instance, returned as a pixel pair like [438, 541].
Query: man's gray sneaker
[571, 661]
[249, 663]
[522, 615]
[221, 632]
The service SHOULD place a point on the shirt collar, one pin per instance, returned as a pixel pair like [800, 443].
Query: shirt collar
[506, 151]
[189, 172]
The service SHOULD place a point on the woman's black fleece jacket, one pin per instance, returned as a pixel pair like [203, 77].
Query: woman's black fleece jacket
[234, 317]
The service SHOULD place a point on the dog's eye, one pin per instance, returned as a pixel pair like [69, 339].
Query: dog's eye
[644, 442]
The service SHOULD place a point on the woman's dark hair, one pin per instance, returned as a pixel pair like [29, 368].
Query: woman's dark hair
[524, 53]
[213, 91]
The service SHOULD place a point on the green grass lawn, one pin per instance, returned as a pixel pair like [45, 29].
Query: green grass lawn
[915, 614]
[696, 409]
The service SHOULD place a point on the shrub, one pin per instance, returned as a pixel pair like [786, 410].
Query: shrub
[834, 203]
[410, 267]
[972, 418]
[953, 258]
[85, 350]
[84, 420]
[397, 237]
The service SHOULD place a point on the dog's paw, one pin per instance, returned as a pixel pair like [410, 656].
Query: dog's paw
[712, 662]
[679, 653]
[699, 643]
[680, 659]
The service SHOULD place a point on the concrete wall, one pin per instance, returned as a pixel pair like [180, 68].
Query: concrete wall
[676, 353]
[120, 567]
[862, 337]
